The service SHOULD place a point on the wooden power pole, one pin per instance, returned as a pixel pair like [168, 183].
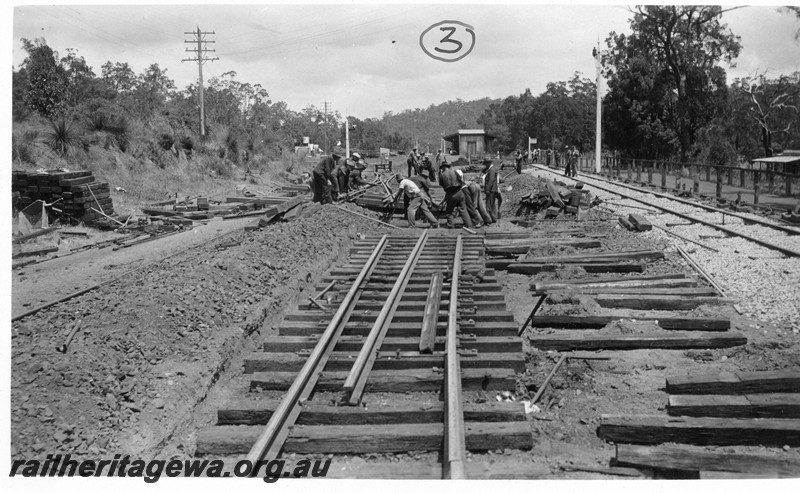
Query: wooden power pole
[325, 124]
[200, 57]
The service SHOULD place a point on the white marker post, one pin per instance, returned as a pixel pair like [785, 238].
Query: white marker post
[597, 146]
[346, 139]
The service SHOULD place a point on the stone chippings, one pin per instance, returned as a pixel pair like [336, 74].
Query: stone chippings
[151, 344]
[766, 282]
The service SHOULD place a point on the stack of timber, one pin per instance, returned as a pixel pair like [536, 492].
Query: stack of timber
[189, 209]
[269, 207]
[76, 194]
[726, 409]
[294, 190]
[248, 206]
[554, 197]
[279, 211]
[409, 358]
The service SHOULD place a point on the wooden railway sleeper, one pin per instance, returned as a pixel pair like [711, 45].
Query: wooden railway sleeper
[271, 440]
[356, 380]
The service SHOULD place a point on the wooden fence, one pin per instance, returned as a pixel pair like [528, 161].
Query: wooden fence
[687, 176]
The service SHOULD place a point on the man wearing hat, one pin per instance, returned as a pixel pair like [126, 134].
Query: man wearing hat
[518, 158]
[413, 162]
[342, 175]
[324, 181]
[416, 199]
[356, 179]
[439, 160]
[469, 202]
[490, 188]
[453, 196]
[474, 191]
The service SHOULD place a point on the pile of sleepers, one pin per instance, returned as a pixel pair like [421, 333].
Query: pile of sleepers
[554, 197]
[76, 194]
[707, 414]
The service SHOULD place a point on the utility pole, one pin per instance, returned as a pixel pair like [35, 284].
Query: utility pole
[598, 55]
[200, 58]
[325, 124]
[346, 139]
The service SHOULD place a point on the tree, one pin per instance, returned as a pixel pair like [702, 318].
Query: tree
[772, 105]
[793, 10]
[120, 76]
[47, 82]
[153, 88]
[79, 78]
[562, 115]
[675, 49]
[19, 88]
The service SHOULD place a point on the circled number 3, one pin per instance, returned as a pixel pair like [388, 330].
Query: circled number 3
[449, 48]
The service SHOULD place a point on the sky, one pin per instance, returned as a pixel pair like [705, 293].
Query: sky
[365, 59]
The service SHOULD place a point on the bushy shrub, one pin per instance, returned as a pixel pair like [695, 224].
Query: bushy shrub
[97, 121]
[186, 143]
[166, 141]
[65, 138]
[21, 150]
[220, 168]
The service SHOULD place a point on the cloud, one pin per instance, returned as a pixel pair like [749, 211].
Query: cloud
[366, 58]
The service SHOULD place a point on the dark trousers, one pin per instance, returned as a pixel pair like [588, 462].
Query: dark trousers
[322, 191]
[454, 204]
[419, 203]
[491, 205]
[482, 208]
[570, 170]
[472, 208]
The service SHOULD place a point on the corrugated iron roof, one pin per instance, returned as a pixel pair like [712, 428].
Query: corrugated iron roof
[469, 131]
[778, 159]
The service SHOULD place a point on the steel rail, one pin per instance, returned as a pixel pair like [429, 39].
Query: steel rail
[702, 271]
[685, 238]
[271, 439]
[761, 222]
[786, 251]
[359, 373]
[454, 429]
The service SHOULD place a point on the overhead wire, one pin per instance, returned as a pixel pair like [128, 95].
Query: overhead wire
[78, 23]
[350, 30]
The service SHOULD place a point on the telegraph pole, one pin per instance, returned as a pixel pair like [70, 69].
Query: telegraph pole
[200, 58]
[598, 55]
[325, 124]
[346, 139]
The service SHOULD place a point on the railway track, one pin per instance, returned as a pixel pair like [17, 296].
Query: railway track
[708, 216]
[401, 351]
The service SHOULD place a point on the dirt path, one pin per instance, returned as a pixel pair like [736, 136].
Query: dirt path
[40, 283]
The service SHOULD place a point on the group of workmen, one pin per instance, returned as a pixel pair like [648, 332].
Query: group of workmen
[334, 177]
[569, 157]
[476, 202]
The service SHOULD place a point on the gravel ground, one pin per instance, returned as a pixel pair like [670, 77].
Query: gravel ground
[766, 282]
[150, 346]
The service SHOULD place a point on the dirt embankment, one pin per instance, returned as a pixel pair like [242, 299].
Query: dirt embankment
[149, 346]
